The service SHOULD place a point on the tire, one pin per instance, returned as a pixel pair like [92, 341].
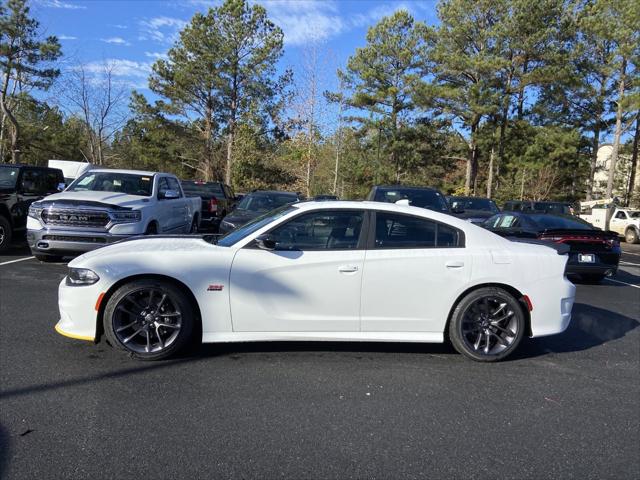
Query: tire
[479, 318]
[48, 258]
[593, 277]
[152, 229]
[631, 235]
[132, 315]
[6, 233]
[194, 225]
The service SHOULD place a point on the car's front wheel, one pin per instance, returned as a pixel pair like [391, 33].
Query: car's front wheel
[150, 319]
[487, 324]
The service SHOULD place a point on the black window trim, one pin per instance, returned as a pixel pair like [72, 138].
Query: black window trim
[371, 244]
[362, 239]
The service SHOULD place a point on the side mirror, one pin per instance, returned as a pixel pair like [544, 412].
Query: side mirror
[169, 195]
[266, 242]
[61, 186]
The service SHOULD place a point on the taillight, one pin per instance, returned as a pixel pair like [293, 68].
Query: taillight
[213, 204]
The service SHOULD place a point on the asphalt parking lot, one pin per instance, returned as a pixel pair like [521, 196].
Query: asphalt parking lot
[563, 406]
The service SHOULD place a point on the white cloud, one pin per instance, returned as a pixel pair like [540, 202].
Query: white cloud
[117, 25]
[155, 55]
[119, 67]
[161, 29]
[61, 4]
[116, 41]
[66, 37]
[306, 21]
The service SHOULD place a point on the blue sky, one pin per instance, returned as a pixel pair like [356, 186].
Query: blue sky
[132, 34]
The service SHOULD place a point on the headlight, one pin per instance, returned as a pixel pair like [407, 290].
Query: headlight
[81, 276]
[35, 211]
[126, 217]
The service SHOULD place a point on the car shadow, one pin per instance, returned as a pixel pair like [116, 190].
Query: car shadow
[590, 327]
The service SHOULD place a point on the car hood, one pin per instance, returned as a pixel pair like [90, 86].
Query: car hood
[241, 217]
[474, 214]
[106, 198]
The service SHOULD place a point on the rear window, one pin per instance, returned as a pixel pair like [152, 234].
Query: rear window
[552, 222]
[430, 199]
[193, 189]
[482, 204]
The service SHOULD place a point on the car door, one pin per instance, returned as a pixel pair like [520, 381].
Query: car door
[180, 206]
[309, 283]
[618, 222]
[32, 186]
[412, 273]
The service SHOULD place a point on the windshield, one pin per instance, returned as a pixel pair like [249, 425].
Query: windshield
[483, 204]
[254, 225]
[202, 189]
[129, 183]
[265, 202]
[8, 177]
[635, 214]
[417, 198]
[553, 222]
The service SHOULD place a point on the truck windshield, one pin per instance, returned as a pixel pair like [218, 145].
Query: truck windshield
[8, 177]
[128, 183]
[254, 225]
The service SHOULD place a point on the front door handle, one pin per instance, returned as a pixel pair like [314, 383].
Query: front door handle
[347, 269]
[454, 264]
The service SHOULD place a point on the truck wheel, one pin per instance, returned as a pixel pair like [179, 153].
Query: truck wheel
[631, 235]
[194, 225]
[5, 233]
[152, 229]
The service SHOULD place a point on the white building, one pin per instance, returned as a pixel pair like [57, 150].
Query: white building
[621, 178]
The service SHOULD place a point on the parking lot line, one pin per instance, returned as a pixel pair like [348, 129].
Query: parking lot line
[18, 260]
[629, 263]
[630, 253]
[624, 283]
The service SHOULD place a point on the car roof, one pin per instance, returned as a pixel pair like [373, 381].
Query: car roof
[407, 187]
[115, 170]
[274, 192]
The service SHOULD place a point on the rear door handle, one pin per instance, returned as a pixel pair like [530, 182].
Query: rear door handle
[347, 269]
[454, 264]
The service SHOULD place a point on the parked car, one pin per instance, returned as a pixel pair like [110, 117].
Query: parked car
[593, 253]
[562, 208]
[104, 206]
[624, 221]
[423, 197]
[218, 199]
[20, 186]
[71, 169]
[300, 273]
[255, 204]
[473, 209]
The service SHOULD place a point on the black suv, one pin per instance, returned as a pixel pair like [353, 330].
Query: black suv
[423, 197]
[218, 200]
[20, 186]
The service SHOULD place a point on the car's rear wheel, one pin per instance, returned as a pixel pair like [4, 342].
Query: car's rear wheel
[631, 235]
[150, 319]
[487, 324]
[5, 233]
[194, 225]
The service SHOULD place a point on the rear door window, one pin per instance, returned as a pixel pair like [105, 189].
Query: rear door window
[393, 231]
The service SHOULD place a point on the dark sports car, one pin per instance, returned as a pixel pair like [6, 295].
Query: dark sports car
[593, 253]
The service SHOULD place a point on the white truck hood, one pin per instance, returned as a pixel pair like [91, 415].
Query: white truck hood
[111, 198]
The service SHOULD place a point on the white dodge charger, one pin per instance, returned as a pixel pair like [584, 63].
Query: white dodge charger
[336, 271]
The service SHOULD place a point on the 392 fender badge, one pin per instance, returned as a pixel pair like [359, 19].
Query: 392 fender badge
[215, 288]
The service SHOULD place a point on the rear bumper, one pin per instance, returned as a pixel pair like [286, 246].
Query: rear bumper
[606, 263]
[552, 304]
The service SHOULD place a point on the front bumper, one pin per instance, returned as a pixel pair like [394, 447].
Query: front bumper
[78, 307]
[67, 242]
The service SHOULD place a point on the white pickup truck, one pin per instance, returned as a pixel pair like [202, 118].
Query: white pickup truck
[624, 221]
[103, 206]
